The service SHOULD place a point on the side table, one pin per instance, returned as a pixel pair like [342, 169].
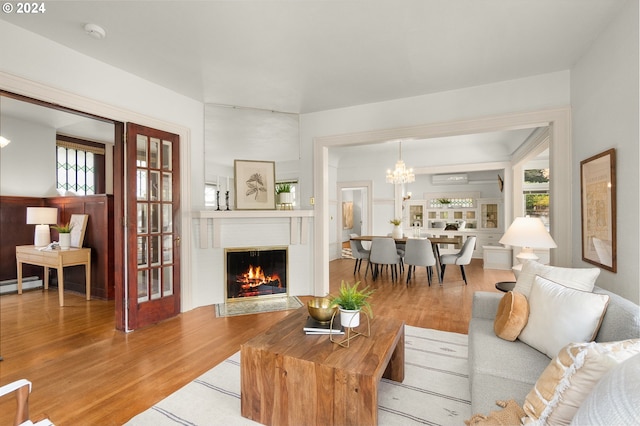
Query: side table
[54, 259]
[505, 285]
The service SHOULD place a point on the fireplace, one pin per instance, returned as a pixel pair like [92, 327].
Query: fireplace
[255, 272]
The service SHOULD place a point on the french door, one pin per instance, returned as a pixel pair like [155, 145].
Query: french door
[152, 175]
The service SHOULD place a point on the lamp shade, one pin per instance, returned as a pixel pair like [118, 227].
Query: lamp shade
[528, 232]
[42, 215]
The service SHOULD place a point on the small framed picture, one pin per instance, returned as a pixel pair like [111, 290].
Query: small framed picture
[255, 184]
[598, 202]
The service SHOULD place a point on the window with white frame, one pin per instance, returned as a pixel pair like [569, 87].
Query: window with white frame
[210, 194]
[536, 194]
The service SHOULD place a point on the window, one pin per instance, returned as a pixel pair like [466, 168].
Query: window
[210, 194]
[536, 194]
[79, 166]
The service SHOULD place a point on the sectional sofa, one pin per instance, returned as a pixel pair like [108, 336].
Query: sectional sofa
[500, 369]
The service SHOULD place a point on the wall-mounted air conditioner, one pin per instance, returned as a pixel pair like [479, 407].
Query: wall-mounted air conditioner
[449, 179]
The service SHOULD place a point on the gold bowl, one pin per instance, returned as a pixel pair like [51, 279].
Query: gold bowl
[320, 309]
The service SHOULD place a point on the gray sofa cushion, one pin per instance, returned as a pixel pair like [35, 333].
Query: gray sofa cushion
[500, 369]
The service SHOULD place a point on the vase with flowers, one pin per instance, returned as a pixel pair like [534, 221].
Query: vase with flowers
[397, 230]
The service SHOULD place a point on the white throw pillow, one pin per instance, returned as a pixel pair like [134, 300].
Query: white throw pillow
[559, 315]
[571, 376]
[578, 278]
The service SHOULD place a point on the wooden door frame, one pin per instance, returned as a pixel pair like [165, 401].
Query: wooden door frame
[70, 102]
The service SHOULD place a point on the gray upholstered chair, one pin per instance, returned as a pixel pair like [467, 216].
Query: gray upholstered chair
[463, 257]
[419, 252]
[384, 252]
[358, 253]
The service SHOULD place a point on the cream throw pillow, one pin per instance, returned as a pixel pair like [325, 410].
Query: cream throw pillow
[571, 376]
[578, 278]
[559, 315]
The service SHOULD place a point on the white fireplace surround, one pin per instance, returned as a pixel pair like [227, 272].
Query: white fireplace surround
[220, 230]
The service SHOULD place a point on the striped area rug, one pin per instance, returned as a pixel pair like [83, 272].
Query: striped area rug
[435, 390]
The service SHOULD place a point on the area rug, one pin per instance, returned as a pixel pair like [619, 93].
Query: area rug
[256, 306]
[435, 390]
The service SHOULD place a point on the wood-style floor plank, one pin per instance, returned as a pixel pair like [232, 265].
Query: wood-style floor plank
[85, 372]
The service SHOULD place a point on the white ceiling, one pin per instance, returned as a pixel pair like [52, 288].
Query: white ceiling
[304, 56]
[312, 55]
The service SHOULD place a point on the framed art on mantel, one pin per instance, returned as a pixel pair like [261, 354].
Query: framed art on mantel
[598, 205]
[255, 183]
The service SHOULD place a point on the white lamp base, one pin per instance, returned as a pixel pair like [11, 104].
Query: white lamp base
[42, 236]
[526, 254]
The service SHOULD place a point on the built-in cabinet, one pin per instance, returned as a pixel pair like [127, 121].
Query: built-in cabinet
[471, 214]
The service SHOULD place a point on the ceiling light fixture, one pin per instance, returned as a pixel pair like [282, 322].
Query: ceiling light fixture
[401, 174]
[95, 31]
[4, 141]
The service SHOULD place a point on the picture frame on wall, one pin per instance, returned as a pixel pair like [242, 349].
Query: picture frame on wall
[255, 183]
[598, 209]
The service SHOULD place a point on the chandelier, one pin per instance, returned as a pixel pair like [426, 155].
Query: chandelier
[401, 174]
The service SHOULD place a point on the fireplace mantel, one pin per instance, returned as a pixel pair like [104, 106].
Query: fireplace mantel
[298, 235]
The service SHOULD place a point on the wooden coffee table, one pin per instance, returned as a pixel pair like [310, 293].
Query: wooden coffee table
[290, 378]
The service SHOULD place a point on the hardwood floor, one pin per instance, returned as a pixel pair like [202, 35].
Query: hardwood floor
[85, 372]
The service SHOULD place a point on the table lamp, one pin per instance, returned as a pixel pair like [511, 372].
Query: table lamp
[42, 217]
[528, 233]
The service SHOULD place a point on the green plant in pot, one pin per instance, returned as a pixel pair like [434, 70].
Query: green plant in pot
[351, 300]
[283, 191]
[64, 234]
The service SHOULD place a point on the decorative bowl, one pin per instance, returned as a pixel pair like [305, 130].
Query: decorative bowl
[320, 309]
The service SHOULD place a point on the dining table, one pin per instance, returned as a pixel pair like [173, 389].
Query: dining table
[435, 241]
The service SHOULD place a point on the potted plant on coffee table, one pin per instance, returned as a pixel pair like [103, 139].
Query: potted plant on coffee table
[351, 300]
[64, 235]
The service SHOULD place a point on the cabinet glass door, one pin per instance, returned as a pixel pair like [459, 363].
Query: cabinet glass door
[489, 216]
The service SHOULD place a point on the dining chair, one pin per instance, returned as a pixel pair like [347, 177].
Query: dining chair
[463, 257]
[419, 252]
[384, 252]
[359, 253]
[400, 248]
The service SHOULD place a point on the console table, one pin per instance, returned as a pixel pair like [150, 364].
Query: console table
[290, 378]
[57, 259]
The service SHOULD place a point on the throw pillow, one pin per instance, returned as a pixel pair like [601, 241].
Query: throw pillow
[616, 398]
[512, 316]
[570, 377]
[559, 315]
[510, 414]
[577, 278]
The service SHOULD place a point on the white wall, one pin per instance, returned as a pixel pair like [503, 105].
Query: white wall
[362, 124]
[604, 98]
[36, 67]
[21, 172]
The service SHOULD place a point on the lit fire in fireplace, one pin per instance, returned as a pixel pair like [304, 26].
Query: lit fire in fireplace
[255, 277]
